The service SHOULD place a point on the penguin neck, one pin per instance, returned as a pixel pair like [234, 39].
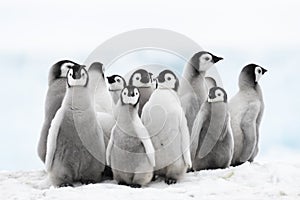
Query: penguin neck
[126, 118]
[246, 84]
[196, 79]
[78, 98]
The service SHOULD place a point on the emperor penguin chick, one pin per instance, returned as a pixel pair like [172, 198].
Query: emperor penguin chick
[246, 109]
[193, 90]
[142, 80]
[101, 99]
[75, 146]
[116, 85]
[57, 80]
[130, 152]
[212, 139]
[165, 120]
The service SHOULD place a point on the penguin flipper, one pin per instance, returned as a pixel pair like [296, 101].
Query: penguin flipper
[248, 126]
[109, 146]
[145, 139]
[185, 140]
[216, 129]
[52, 138]
[196, 130]
[90, 134]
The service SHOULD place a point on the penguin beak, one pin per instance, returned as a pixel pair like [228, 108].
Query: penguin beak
[131, 94]
[264, 70]
[216, 59]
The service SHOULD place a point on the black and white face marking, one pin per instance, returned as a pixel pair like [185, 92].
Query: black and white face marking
[203, 60]
[130, 95]
[116, 82]
[217, 94]
[259, 71]
[77, 76]
[167, 79]
[253, 72]
[65, 68]
[61, 68]
[140, 78]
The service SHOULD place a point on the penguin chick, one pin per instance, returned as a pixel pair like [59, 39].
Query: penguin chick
[246, 109]
[130, 152]
[142, 80]
[75, 145]
[55, 94]
[166, 123]
[193, 91]
[212, 139]
[116, 84]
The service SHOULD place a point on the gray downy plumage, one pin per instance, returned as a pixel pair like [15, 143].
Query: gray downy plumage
[75, 146]
[130, 152]
[246, 110]
[166, 123]
[212, 139]
[56, 91]
[193, 90]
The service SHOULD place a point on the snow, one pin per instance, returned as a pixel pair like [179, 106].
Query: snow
[258, 180]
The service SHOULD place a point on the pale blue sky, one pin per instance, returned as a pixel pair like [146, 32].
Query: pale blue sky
[36, 34]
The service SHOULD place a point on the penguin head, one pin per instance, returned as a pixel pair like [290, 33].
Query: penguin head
[217, 94]
[167, 79]
[130, 95]
[60, 70]
[203, 60]
[77, 76]
[252, 73]
[140, 78]
[116, 82]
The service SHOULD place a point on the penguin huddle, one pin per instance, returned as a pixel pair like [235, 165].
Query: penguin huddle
[98, 127]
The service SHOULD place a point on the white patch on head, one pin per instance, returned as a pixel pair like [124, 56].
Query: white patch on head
[117, 85]
[77, 82]
[205, 62]
[136, 81]
[169, 82]
[130, 99]
[65, 68]
[258, 73]
[219, 97]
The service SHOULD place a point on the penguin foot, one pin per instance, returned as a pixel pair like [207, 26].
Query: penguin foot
[190, 170]
[135, 185]
[122, 183]
[66, 185]
[154, 178]
[170, 181]
[87, 182]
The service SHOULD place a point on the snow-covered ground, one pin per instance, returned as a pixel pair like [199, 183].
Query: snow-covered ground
[259, 180]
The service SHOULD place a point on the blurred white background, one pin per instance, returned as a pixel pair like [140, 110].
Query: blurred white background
[36, 34]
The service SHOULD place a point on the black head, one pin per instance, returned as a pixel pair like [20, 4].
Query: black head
[60, 69]
[217, 94]
[130, 95]
[167, 79]
[116, 82]
[140, 78]
[251, 73]
[77, 76]
[203, 60]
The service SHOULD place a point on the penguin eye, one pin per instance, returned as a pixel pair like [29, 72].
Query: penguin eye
[259, 71]
[125, 93]
[82, 74]
[118, 80]
[169, 78]
[137, 78]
